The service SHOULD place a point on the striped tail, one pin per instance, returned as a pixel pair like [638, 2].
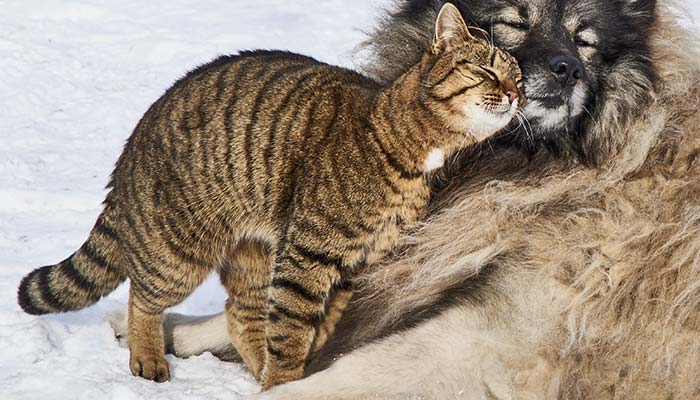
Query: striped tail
[92, 272]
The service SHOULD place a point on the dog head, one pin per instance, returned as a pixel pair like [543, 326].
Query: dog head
[569, 51]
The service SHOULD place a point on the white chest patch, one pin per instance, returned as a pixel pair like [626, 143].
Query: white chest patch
[435, 160]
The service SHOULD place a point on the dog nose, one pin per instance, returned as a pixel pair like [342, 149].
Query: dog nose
[510, 89]
[568, 70]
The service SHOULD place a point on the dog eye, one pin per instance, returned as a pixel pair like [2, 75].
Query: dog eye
[521, 26]
[582, 43]
[586, 37]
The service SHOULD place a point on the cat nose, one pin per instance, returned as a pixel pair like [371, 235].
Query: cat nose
[510, 89]
[512, 96]
[566, 69]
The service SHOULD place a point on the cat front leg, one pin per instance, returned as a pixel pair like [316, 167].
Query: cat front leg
[300, 288]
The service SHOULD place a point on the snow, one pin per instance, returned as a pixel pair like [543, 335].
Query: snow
[75, 77]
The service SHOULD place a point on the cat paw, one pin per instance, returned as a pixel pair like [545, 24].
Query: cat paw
[150, 367]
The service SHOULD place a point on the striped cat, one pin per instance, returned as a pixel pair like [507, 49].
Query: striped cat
[284, 174]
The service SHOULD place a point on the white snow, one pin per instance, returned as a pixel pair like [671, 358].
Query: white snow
[75, 77]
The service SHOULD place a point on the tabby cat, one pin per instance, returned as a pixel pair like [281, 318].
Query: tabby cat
[275, 157]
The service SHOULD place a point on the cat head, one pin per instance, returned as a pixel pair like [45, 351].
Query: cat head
[477, 88]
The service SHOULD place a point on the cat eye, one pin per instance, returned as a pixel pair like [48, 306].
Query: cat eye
[475, 80]
[490, 73]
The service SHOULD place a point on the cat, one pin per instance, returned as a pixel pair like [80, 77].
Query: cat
[274, 156]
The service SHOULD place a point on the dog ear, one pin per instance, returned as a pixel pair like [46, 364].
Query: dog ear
[450, 30]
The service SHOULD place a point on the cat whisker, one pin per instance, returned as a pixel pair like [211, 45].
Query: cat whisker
[526, 125]
[488, 142]
[514, 129]
[589, 114]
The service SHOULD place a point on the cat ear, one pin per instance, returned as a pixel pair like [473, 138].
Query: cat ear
[450, 30]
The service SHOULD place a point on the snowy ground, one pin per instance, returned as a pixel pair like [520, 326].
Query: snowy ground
[75, 76]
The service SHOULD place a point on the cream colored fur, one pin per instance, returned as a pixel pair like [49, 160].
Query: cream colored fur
[597, 289]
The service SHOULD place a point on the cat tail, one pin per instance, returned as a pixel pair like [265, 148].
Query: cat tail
[90, 273]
